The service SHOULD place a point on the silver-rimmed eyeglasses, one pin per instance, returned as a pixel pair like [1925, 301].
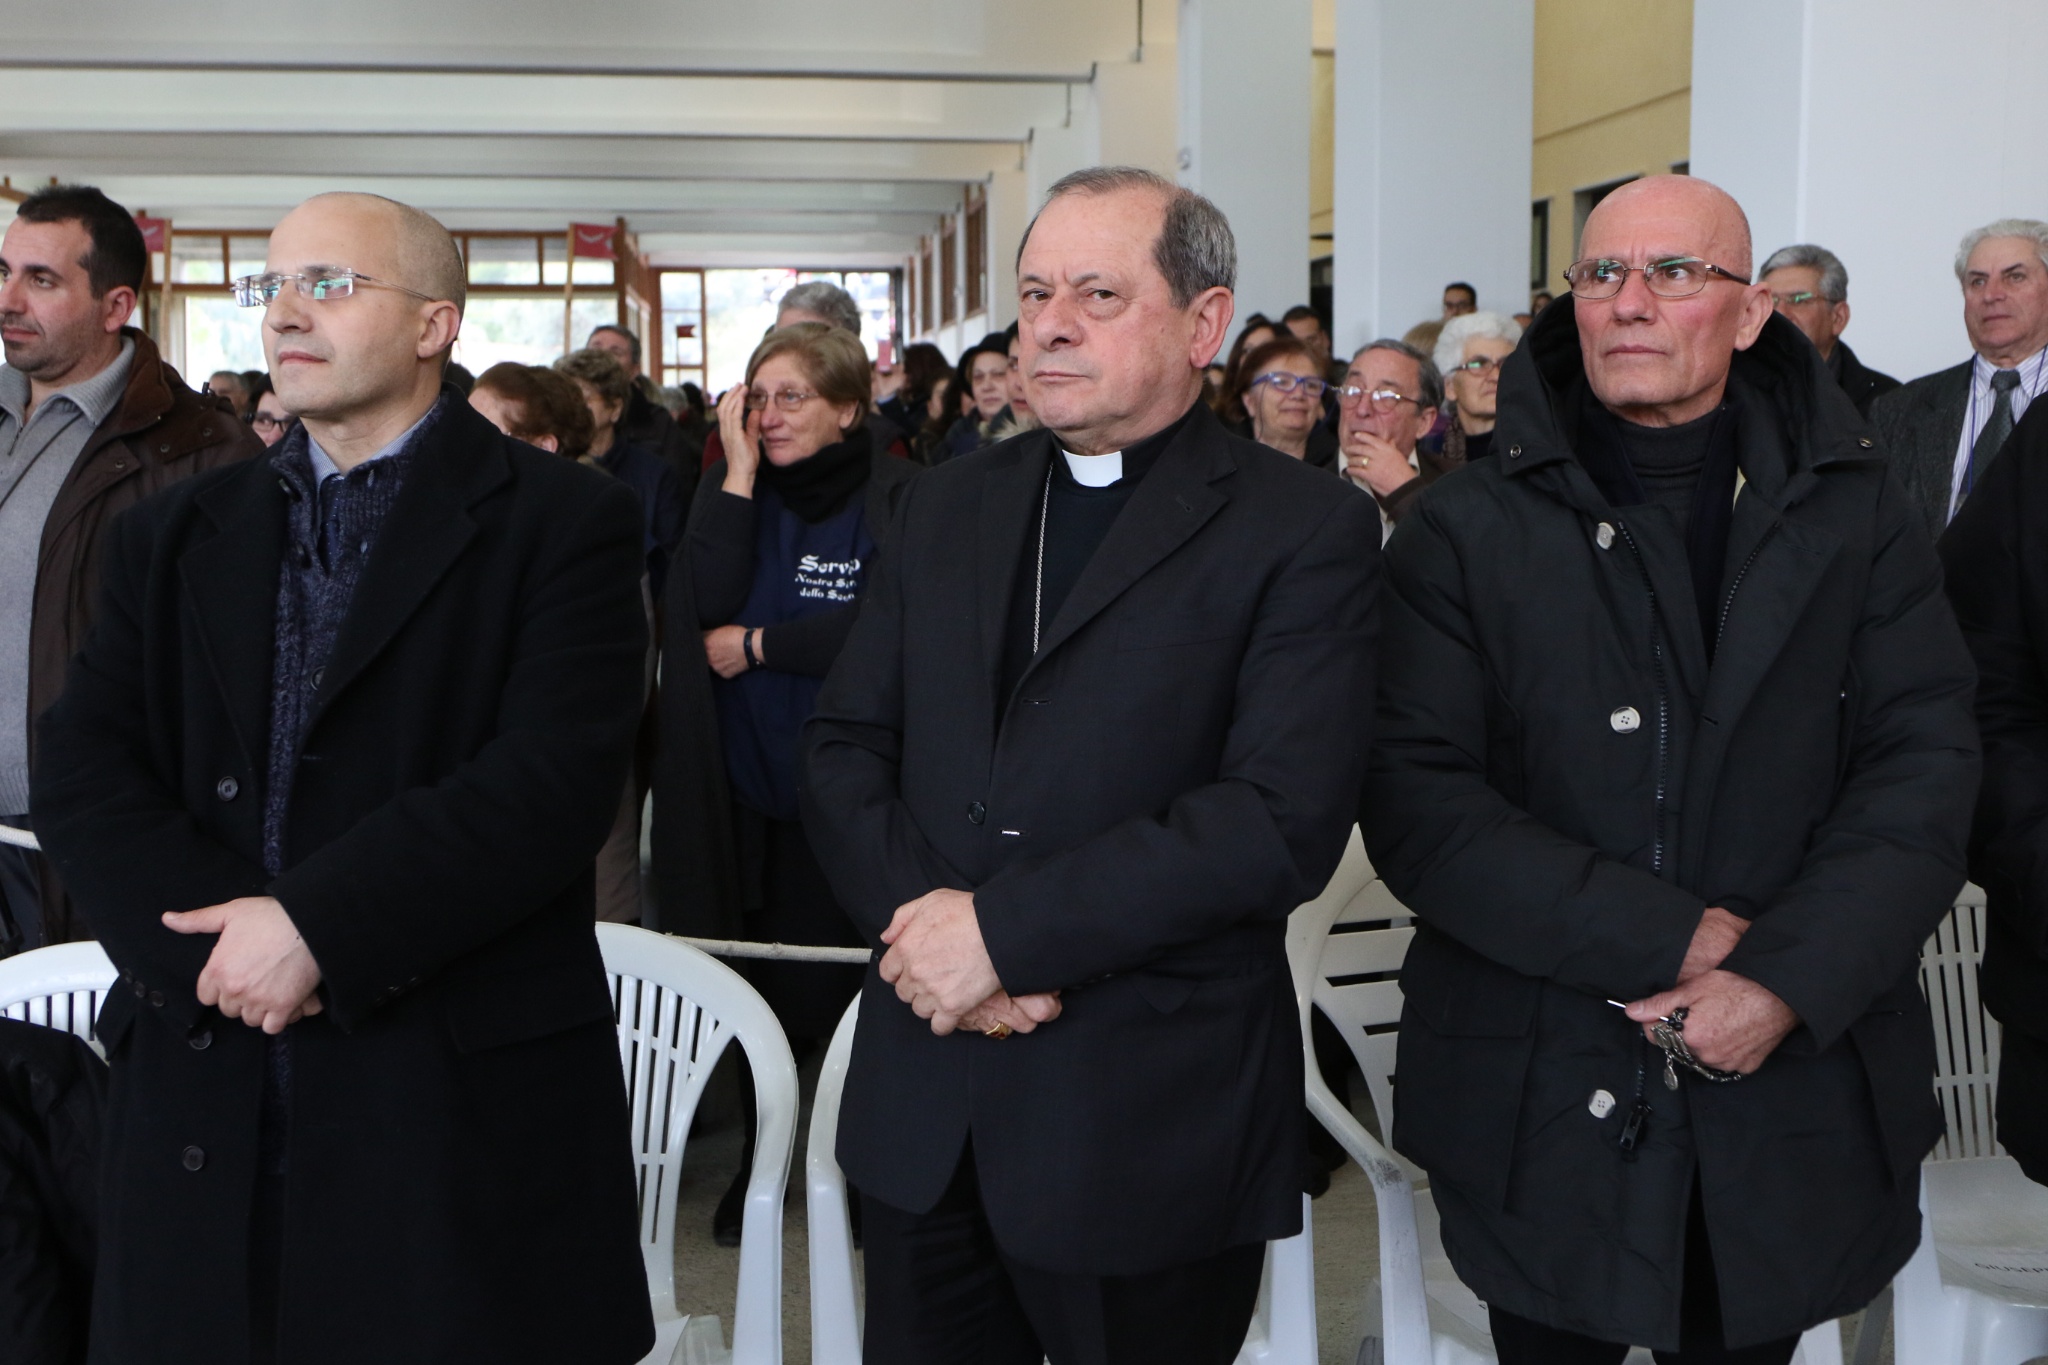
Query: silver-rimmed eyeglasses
[789, 400]
[1675, 277]
[320, 283]
[1383, 400]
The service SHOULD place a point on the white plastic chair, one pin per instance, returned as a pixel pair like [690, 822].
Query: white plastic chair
[60, 987]
[677, 1008]
[1417, 1311]
[1283, 1330]
[1976, 1290]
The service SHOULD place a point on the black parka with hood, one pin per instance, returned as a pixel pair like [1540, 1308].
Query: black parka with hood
[1567, 771]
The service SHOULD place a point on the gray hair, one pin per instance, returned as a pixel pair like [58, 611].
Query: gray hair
[1450, 342]
[1834, 276]
[1195, 250]
[2033, 229]
[1431, 378]
[822, 299]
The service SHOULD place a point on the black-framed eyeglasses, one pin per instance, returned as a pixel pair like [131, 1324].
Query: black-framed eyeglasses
[1282, 381]
[1675, 277]
[264, 419]
[789, 400]
[1794, 299]
[1479, 364]
[1383, 400]
[320, 283]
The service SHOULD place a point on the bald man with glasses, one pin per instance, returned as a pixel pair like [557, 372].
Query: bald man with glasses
[328, 781]
[1673, 763]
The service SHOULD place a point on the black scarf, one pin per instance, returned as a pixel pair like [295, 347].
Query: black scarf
[1601, 450]
[817, 486]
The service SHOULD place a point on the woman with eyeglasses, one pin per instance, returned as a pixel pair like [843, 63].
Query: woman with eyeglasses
[1469, 351]
[781, 546]
[270, 420]
[1284, 399]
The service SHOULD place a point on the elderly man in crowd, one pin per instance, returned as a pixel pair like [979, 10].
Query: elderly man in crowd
[1386, 404]
[1673, 763]
[92, 421]
[1810, 286]
[645, 422]
[1943, 430]
[327, 781]
[1069, 776]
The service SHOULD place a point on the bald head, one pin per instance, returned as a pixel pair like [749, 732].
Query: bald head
[1678, 206]
[1651, 357]
[411, 245]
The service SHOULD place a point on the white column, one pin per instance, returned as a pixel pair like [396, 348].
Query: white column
[1882, 130]
[1434, 124]
[1244, 136]
[1008, 212]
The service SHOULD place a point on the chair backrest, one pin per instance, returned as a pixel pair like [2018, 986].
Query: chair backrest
[1356, 980]
[1965, 1037]
[677, 1008]
[835, 1295]
[61, 987]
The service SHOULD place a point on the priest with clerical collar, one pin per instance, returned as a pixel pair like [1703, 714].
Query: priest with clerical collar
[1100, 727]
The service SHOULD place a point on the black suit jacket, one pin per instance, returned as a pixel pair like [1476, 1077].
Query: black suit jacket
[1918, 426]
[1177, 770]
[460, 1183]
[1863, 384]
[1996, 569]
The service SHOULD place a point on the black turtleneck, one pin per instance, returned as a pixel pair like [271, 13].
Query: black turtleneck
[1668, 460]
[1077, 518]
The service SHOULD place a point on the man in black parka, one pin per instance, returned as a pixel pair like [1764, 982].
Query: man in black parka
[1674, 715]
[327, 781]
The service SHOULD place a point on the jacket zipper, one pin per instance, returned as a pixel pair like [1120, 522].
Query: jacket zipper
[1721, 626]
[1663, 698]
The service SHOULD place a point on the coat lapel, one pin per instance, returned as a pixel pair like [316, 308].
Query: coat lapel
[1172, 503]
[1010, 498]
[461, 462]
[230, 586]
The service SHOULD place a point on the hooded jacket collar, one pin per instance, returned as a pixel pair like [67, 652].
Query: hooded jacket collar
[1798, 419]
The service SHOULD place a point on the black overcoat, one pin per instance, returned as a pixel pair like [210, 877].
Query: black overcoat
[1560, 785]
[460, 1184]
[1174, 773]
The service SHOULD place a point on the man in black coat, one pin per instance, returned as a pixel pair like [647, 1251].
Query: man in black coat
[327, 780]
[1674, 717]
[1996, 564]
[1810, 286]
[1098, 729]
[1943, 430]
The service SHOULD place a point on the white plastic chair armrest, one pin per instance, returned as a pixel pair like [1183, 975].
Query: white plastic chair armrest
[835, 1306]
[1404, 1303]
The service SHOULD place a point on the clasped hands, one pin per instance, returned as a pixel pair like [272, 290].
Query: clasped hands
[940, 968]
[260, 972]
[1732, 1023]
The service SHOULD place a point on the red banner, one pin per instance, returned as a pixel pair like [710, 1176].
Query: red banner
[154, 231]
[591, 239]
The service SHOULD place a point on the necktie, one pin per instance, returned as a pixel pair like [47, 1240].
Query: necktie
[1992, 439]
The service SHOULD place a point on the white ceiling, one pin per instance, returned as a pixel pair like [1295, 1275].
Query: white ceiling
[777, 131]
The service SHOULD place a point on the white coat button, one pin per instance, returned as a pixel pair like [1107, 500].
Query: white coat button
[1604, 536]
[1626, 720]
[1601, 1105]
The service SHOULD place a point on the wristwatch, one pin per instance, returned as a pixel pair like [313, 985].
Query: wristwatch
[747, 646]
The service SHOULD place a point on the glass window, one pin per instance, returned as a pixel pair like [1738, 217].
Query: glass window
[504, 260]
[196, 258]
[526, 330]
[219, 335]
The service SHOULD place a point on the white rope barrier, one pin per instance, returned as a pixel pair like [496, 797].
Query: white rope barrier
[717, 947]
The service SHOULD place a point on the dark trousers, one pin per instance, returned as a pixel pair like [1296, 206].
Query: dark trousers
[941, 1292]
[21, 894]
[1522, 1342]
[2023, 1102]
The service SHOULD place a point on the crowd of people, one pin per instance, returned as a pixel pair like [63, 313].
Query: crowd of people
[1054, 675]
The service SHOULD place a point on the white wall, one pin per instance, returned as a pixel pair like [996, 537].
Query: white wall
[1883, 130]
[1244, 136]
[1434, 123]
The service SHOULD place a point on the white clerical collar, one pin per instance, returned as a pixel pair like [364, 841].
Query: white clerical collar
[1095, 471]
